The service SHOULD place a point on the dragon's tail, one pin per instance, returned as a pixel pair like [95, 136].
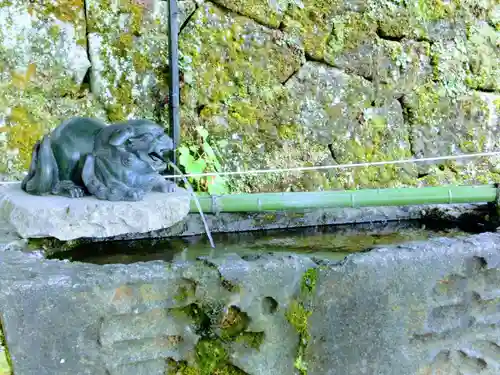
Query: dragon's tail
[43, 174]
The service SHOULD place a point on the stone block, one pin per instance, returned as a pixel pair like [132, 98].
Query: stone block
[69, 218]
[413, 309]
[423, 308]
[49, 36]
[87, 319]
[347, 115]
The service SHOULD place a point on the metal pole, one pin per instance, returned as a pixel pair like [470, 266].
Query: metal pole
[173, 47]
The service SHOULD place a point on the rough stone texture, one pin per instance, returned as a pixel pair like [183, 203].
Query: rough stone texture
[404, 310]
[281, 83]
[343, 116]
[130, 322]
[43, 63]
[47, 35]
[68, 218]
[128, 47]
[421, 308]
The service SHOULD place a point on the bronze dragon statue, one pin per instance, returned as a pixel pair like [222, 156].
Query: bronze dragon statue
[85, 156]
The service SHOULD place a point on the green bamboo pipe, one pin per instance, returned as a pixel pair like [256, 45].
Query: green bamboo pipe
[258, 202]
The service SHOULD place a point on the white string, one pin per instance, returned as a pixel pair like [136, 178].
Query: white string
[333, 166]
[340, 166]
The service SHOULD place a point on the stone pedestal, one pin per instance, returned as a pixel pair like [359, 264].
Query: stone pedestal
[70, 218]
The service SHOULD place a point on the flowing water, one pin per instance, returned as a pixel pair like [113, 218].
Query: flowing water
[331, 242]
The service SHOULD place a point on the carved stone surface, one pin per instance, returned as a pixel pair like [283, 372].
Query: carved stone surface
[118, 162]
[129, 320]
[66, 218]
[423, 308]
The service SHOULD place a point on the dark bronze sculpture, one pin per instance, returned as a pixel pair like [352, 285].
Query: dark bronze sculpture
[84, 156]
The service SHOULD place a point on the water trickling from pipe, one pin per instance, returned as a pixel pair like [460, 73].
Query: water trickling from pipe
[190, 189]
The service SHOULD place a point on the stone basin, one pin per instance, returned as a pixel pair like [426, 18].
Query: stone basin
[415, 308]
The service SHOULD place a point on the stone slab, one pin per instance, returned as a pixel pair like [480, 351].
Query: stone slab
[69, 218]
[421, 308]
[229, 222]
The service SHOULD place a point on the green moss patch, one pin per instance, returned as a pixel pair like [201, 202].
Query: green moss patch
[298, 314]
[251, 339]
[31, 107]
[432, 115]
[261, 11]
[484, 57]
[211, 351]
[234, 69]
[313, 23]
[129, 49]
[212, 361]
[234, 323]
[5, 360]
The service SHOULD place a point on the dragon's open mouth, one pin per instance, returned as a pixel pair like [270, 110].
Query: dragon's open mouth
[156, 157]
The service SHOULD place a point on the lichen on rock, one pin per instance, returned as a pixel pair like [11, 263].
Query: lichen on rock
[483, 47]
[432, 113]
[50, 35]
[384, 80]
[343, 113]
[128, 46]
[235, 90]
[29, 108]
[264, 11]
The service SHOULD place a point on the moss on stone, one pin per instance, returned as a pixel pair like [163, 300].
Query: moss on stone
[236, 68]
[309, 278]
[184, 293]
[298, 317]
[312, 22]
[51, 246]
[260, 10]
[432, 113]
[350, 31]
[199, 317]
[234, 71]
[129, 53]
[24, 133]
[483, 57]
[433, 10]
[233, 323]
[5, 367]
[31, 107]
[251, 339]
[66, 10]
[211, 358]
[211, 350]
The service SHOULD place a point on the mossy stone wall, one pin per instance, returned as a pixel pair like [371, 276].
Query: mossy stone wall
[275, 83]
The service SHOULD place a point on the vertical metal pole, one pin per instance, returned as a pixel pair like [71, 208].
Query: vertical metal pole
[173, 97]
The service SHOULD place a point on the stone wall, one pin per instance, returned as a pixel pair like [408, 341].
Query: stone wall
[275, 83]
